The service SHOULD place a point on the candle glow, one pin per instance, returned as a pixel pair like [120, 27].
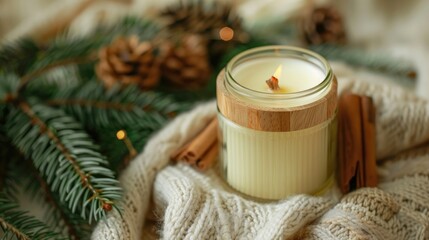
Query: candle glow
[273, 82]
[278, 72]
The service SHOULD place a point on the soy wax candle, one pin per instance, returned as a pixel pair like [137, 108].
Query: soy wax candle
[277, 141]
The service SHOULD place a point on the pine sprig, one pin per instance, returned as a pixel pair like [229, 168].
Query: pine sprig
[3, 167]
[27, 59]
[66, 157]
[8, 85]
[56, 214]
[16, 223]
[25, 80]
[17, 57]
[104, 112]
[66, 49]
[51, 82]
[63, 51]
[10, 168]
[95, 107]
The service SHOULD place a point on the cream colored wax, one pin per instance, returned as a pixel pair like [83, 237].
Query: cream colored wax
[296, 75]
[273, 165]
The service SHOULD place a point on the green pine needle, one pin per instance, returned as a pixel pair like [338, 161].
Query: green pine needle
[104, 112]
[17, 224]
[10, 168]
[18, 57]
[52, 82]
[96, 107]
[8, 85]
[67, 52]
[82, 49]
[56, 214]
[66, 157]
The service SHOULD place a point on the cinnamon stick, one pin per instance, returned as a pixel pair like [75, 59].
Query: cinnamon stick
[350, 142]
[176, 154]
[356, 142]
[200, 144]
[209, 157]
[369, 135]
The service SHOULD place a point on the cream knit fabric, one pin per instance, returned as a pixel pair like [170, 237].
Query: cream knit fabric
[197, 205]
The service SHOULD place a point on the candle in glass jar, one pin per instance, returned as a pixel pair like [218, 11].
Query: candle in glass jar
[277, 142]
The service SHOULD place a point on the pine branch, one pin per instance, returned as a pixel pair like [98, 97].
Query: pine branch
[66, 157]
[96, 107]
[10, 167]
[57, 215]
[10, 171]
[24, 56]
[3, 167]
[25, 80]
[17, 57]
[8, 85]
[124, 107]
[107, 111]
[51, 82]
[15, 223]
[64, 47]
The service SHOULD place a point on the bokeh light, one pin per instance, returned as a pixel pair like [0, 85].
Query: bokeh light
[120, 134]
[226, 33]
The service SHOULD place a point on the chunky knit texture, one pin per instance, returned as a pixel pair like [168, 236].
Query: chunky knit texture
[194, 205]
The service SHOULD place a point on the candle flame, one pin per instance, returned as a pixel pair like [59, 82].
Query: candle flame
[278, 72]
[273, 82]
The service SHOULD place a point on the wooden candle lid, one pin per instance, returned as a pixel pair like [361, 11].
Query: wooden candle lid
[275, 119]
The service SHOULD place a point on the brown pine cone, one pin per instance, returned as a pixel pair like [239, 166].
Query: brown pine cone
[128, 61]
[324, 25]
[206, 19]
[216, 21]
[186, 64]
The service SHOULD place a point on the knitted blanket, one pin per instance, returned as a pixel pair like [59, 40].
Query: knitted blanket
[194, 205]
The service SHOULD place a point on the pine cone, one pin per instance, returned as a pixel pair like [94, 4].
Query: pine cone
[128, 61]
[196, 17]
[186, 64]
[207, 20]
[324, 25]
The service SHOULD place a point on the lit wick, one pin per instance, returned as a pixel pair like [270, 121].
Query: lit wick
[273, 82]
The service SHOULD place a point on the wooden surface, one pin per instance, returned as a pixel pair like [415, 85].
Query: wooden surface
[275, 119]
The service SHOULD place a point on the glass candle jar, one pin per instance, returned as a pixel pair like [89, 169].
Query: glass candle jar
[277, 143]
